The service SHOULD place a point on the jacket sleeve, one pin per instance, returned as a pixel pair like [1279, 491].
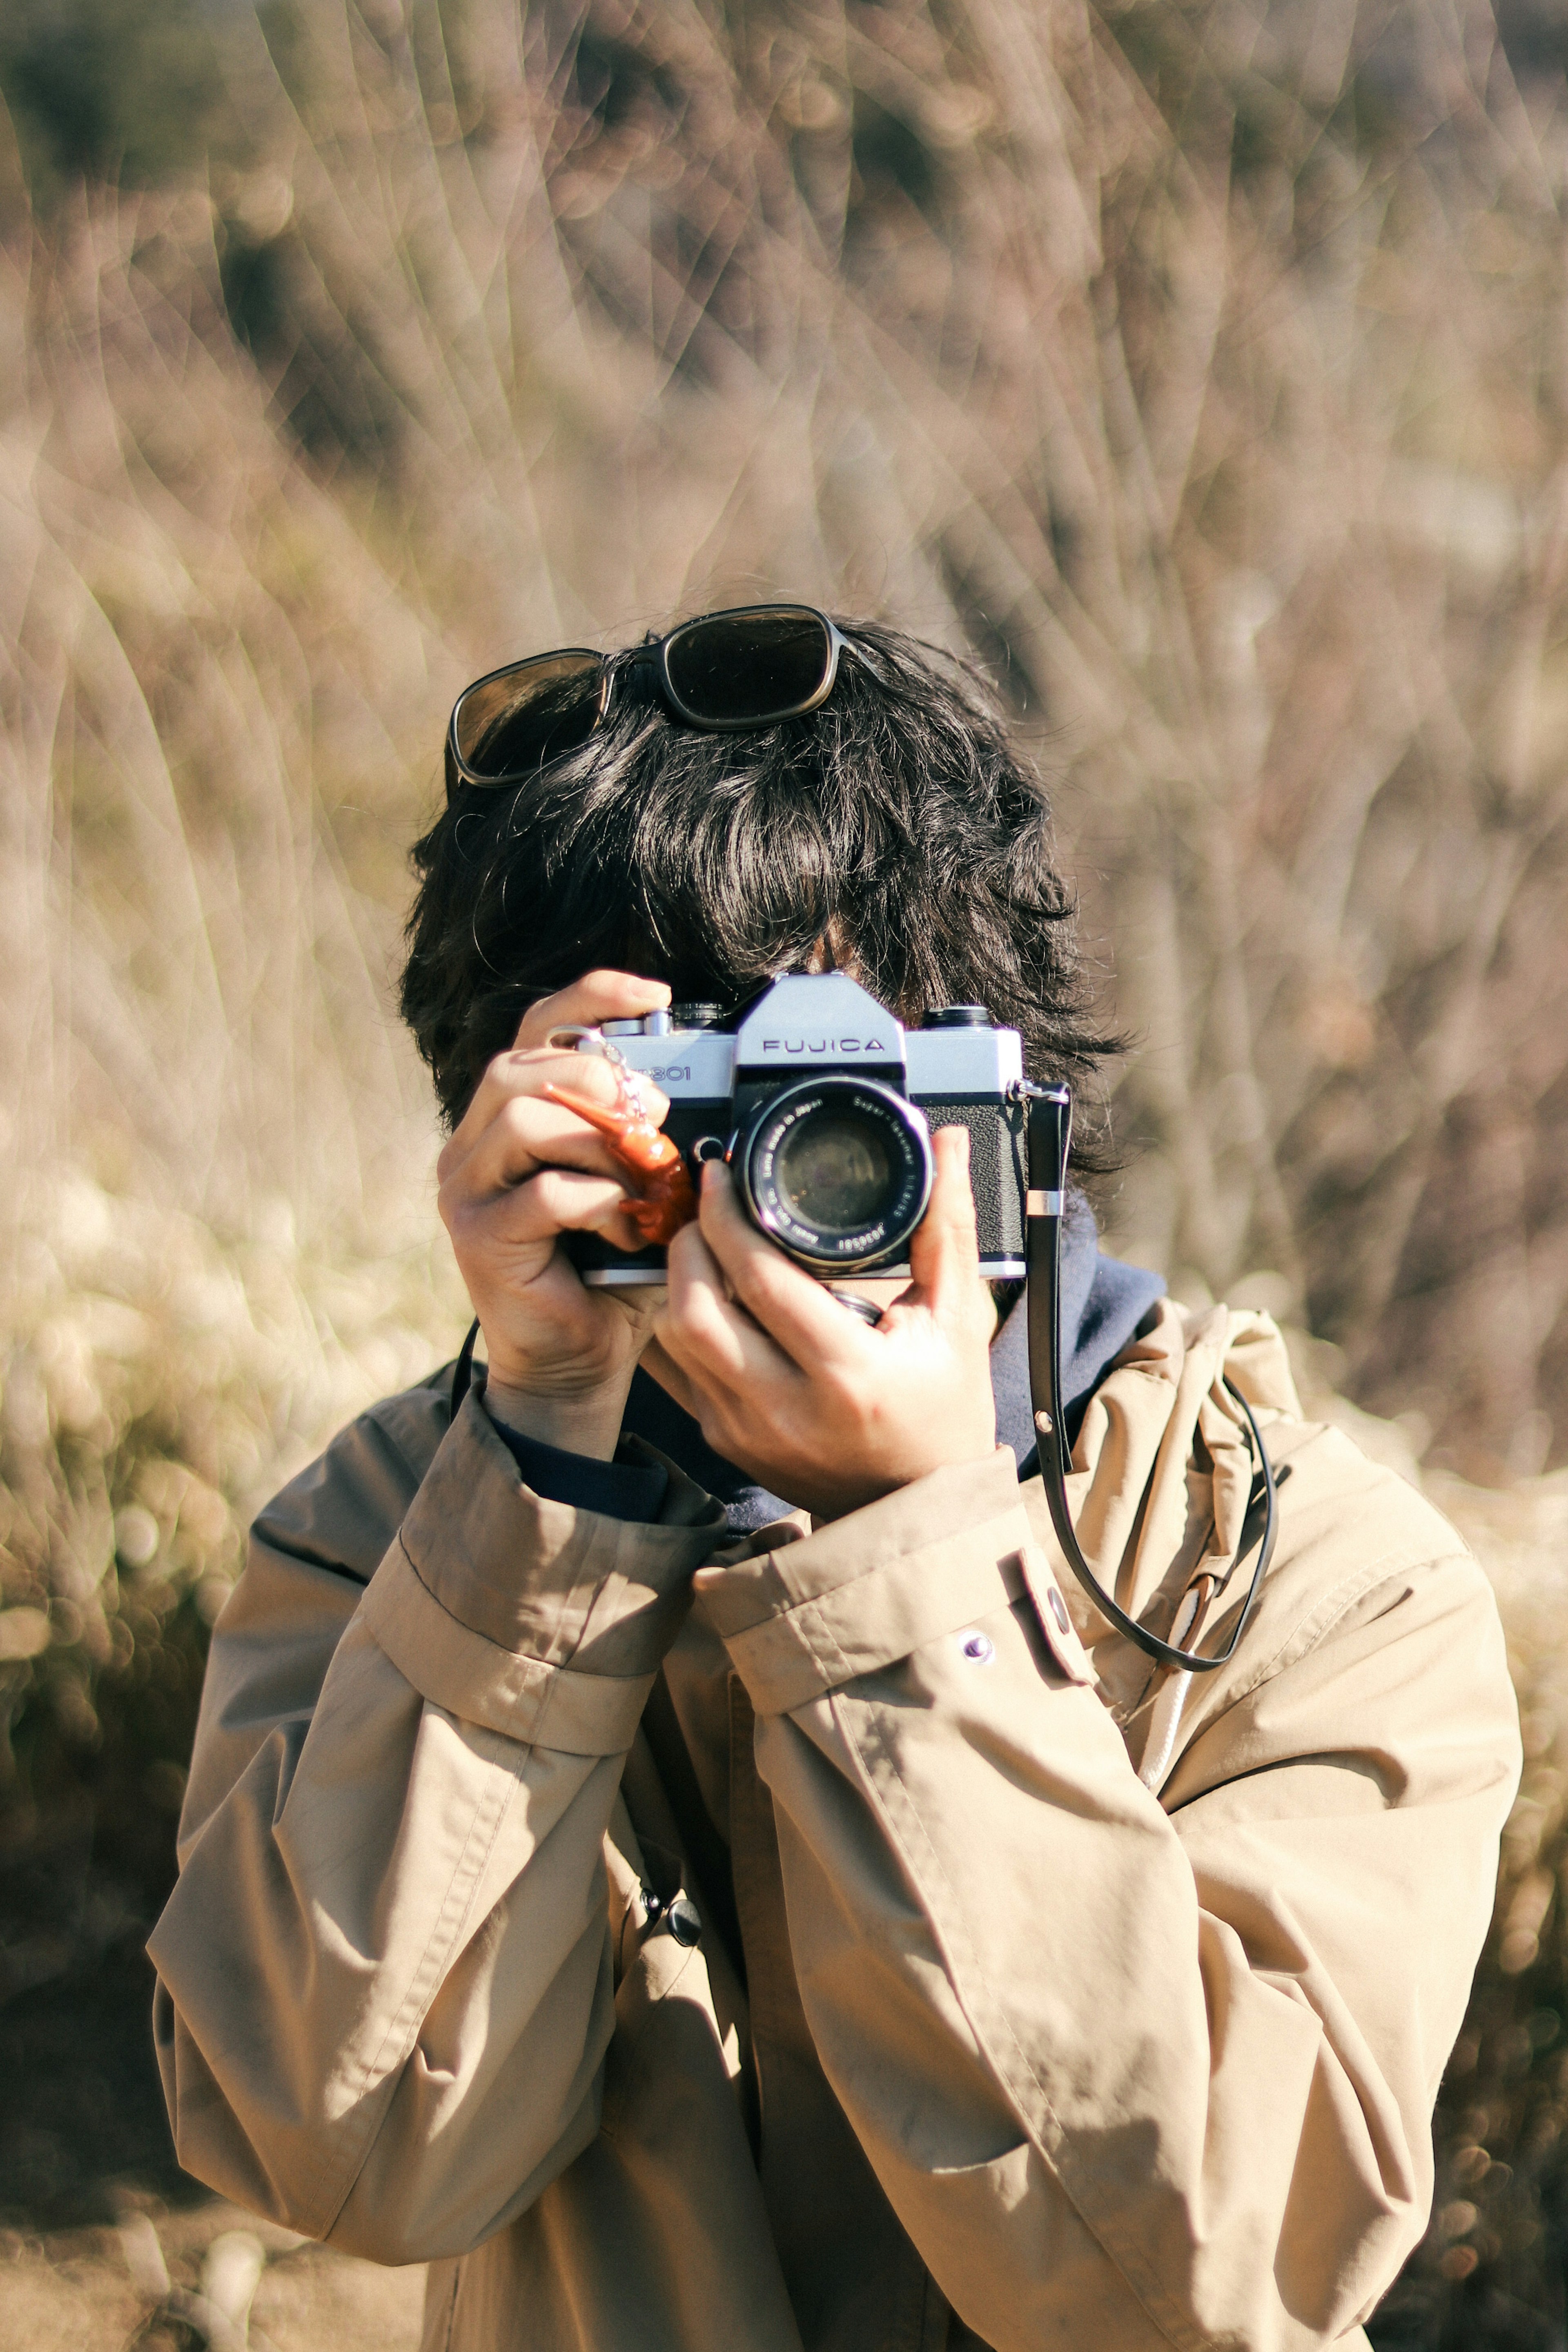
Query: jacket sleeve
[1128, 2077]
[384, 1974]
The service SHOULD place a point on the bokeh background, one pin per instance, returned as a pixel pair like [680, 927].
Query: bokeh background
[1199, 367]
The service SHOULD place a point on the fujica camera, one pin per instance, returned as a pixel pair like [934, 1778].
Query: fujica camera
[824, 1105]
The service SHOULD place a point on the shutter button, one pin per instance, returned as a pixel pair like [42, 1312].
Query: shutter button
[682, 1920]
[980, 1647]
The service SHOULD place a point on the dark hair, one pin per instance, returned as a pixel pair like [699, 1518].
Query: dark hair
[897, 821]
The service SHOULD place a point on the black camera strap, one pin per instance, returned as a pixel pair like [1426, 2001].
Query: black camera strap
[463, 1371]
[1051, 1134]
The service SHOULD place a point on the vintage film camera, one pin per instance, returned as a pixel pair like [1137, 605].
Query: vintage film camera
[823, 1105]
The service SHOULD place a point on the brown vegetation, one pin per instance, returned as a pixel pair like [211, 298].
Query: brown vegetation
[1198, 365]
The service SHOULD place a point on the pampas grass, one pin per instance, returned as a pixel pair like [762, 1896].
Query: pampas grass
[1197, 369]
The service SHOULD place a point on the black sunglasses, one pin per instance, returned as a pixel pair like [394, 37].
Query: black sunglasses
[749, 668]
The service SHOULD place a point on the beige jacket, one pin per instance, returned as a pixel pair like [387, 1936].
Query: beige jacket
[985, 2043]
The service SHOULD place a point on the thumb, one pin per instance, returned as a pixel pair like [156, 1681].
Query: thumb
[944, 1250]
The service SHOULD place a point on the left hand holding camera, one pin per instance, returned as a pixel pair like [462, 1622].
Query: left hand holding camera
[791, 1387]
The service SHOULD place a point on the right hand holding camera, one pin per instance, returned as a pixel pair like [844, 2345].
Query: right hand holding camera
[518, 1171]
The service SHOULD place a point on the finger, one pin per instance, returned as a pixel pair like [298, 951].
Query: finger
[555, 1201]
[716, 1344]
[524, 1136]
[807, 1322]
[513, 1072]
[944, 1248]
[515, 1077]
[597, 996]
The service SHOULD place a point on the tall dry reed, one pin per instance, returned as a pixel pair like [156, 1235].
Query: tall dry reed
[1198, 368]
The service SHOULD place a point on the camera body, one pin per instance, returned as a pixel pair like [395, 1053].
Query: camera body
[823, 1105]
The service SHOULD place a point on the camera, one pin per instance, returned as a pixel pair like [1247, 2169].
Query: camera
[823, 1105]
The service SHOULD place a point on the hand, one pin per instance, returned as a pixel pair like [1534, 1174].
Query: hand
[791, 1387]
[517, 1174]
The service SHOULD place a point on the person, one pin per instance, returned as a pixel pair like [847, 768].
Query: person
[667, 1845]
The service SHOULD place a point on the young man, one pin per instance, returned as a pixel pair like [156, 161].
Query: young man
[667, 1842]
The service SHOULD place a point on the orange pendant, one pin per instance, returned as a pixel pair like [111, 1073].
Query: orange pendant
[664, 1198]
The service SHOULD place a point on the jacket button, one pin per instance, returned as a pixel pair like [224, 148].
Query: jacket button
[682, 1920]
[980, 1647]
[1058, 1607]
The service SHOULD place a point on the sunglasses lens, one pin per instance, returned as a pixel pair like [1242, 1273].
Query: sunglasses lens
[510, 725]
[744, 668]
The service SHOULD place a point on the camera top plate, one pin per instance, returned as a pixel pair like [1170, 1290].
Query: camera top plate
[818, 1020]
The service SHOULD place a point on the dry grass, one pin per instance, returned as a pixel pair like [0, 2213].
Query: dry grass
[152, 2280]
[1197, 364]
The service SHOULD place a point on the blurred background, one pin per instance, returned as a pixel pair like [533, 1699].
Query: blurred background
[1199, 367]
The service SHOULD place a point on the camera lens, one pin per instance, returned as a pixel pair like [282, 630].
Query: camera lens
[838, 1170]
[832, 1172]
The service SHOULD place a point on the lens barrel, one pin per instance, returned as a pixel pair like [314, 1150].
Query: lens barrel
[837, 1170]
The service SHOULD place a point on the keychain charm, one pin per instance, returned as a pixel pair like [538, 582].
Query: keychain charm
[665, 1199]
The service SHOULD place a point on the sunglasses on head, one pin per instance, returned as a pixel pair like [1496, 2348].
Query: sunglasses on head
[749, 668]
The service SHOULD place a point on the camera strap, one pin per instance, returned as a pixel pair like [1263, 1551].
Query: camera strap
[1049, 1136]
[463, 1372]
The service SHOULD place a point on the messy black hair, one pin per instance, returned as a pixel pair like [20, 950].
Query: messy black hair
[895, 823]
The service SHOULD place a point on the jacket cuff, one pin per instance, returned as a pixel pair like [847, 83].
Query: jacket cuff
[630, 1486]
[531, 1617]
[864, 1592]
